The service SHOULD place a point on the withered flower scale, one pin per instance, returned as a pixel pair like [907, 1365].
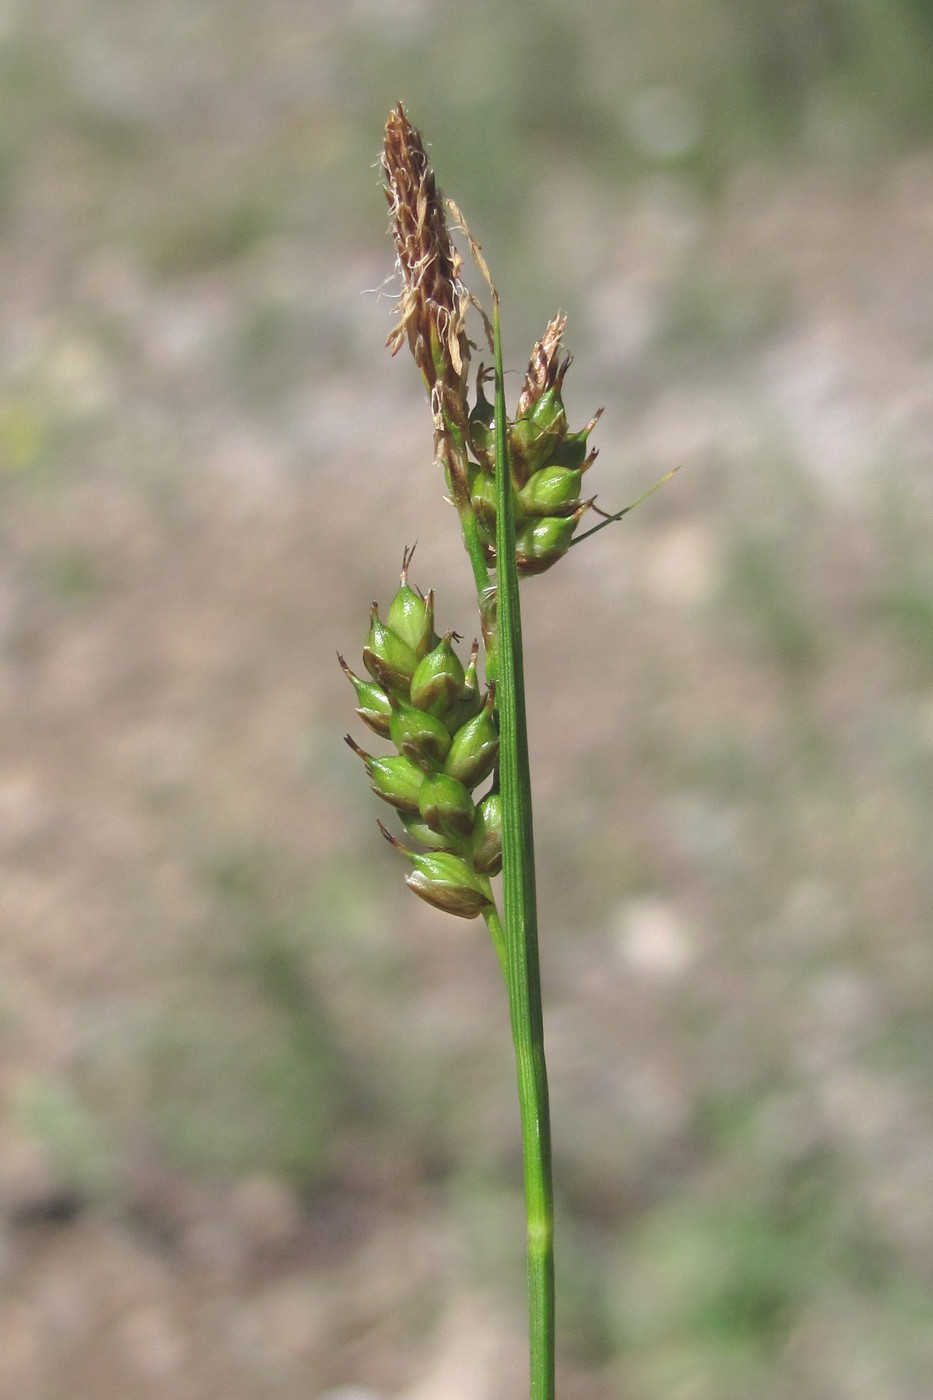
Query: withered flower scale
[545, 370]
[433, 301]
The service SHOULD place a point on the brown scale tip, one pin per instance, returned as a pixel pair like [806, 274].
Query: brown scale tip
[391, 839]
[546, 369]
[432, 299]
[360, 753]
[408, 553]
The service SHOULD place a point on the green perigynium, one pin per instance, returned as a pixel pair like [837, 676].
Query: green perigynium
[395, 778]
[411, 614]
[375, 707]
[445, 880]
[446, 805]
[417, 734]
[388, 657]
[438, 683]
[486, 839]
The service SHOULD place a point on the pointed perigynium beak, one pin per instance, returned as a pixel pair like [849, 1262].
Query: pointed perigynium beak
[411, 615]
[388, 659]
[394, 778]
[374, 705]
[444, 880]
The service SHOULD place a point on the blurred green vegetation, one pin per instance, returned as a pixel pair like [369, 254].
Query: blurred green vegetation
[258, 1077]
[74, 1135]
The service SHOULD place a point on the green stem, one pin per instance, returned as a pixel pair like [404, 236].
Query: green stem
[474, 547]
[496, 933]
[521, 926]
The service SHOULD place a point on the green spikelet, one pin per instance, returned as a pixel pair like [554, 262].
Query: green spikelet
[374, 705]
[540, 543]
[486, 841]
[445, 880]
[427, 714]
[395, 778]
[417, 734]
[534, 440]
[425, 835]
[445, 805]
[554, 490]
[438, 682]
[475, 748]
[470, 701]
[546, 462]
[411, 616]
[483, 500]
[387, 658]
[482, 429]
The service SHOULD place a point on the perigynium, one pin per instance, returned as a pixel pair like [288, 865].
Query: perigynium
[458, 777]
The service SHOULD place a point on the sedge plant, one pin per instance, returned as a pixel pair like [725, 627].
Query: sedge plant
[458, 779]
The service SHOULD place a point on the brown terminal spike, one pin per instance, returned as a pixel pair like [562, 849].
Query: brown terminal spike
[432, 294]
[433, 301]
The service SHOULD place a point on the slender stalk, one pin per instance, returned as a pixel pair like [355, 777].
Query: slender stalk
[521, 925]
[471, 540]
[611, 519]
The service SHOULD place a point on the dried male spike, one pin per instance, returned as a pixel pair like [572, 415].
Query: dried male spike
[445, 805]
[387, 658]
[417, 734]
[475, 748]
[438, 682]
[395, 778]
[374, 707]
[433, 301]
[410, 615]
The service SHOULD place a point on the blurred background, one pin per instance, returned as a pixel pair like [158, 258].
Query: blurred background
[258, 1133]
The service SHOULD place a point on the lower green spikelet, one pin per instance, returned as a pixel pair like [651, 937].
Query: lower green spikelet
[445, 880]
